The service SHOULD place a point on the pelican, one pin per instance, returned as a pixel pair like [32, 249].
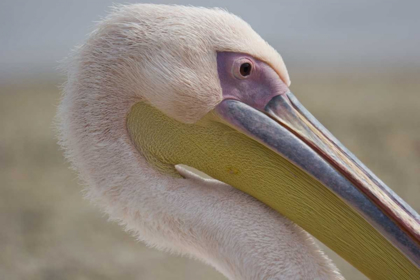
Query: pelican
[156, 88]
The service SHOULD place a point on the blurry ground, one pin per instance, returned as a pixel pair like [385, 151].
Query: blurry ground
[47, 231]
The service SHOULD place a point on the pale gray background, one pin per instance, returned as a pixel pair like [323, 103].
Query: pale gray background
[35, 35]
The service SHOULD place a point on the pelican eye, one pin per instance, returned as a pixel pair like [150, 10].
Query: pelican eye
[242, 68]
[245, 69]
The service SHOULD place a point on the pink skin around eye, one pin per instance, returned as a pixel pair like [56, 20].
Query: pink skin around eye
[257, 89]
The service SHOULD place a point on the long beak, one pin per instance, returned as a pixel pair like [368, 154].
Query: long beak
[288, 129]
[283, 157]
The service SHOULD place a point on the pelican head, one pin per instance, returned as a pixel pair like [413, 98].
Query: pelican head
[156, 86]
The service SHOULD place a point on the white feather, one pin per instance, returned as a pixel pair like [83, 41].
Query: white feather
[166, 55]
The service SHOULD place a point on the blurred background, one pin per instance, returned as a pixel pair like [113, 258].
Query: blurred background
[355, 65]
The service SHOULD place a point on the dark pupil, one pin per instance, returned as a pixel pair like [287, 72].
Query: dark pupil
[245, 69]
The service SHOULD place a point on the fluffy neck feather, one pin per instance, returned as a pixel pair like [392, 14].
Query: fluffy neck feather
[239, 236]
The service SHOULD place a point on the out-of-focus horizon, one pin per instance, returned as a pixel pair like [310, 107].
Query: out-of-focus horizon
[311, 35]
[354, 65]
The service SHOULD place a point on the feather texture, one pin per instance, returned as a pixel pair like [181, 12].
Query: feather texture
[166, 56]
